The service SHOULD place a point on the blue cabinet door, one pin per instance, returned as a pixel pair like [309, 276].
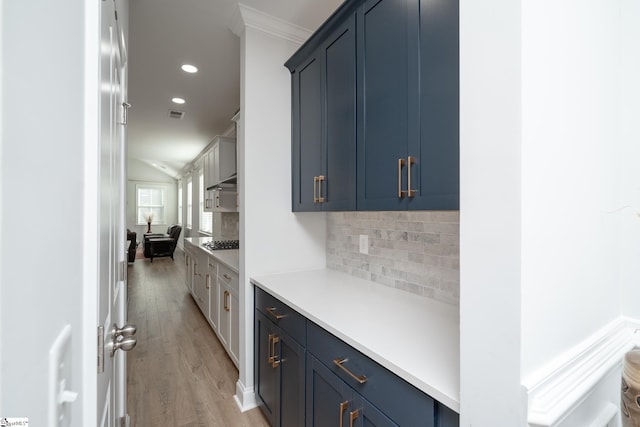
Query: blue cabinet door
[384, 88]
[339, 79]
[279, 369]
[266, 377]
[435, 148]
[291, 362]
[328, 397]
[306, 135]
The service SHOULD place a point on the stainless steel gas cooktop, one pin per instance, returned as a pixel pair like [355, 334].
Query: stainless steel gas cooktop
[216, 245]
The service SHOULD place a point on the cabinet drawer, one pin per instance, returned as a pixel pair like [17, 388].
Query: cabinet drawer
[228, 277]
[388, 392]
[282, 315]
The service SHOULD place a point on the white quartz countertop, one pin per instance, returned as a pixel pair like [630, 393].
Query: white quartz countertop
[229, 257]
[416, 338]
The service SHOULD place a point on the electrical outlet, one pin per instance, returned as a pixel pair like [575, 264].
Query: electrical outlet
[364, 244]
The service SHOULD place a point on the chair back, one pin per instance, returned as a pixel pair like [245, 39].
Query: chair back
[174, 232]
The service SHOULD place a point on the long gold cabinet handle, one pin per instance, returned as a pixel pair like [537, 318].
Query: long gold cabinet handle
[340, 364]
[226, 304]
[272, 311]
[343, 407]
[315, 189]
[321, 179]
[400, 166]
[410, 192]
[353, 416]
[273, 340]
[208, 282]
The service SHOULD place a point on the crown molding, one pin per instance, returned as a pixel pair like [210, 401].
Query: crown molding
[248, 17]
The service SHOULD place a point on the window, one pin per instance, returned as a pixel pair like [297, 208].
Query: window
[205, 217]
[189, 203]
[150, 203]
[180, 202]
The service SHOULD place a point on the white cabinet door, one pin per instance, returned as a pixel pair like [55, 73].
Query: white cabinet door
[224, 326]
[223, 159]
[234, 333]
[224, 200]
[212, 284]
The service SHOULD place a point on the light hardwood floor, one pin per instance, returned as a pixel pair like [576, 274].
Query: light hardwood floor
[178, 374]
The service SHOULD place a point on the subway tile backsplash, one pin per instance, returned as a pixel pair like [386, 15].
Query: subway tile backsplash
[417, 251]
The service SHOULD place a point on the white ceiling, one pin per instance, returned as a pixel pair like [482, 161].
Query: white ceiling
[163, 35]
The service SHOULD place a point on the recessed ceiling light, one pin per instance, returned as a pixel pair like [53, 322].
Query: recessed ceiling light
[178, 100]
[188, 68]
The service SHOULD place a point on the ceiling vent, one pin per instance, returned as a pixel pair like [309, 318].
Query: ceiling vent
[174, 114]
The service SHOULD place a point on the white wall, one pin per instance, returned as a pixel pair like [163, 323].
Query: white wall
[571, 158]
[490, 222]
[629, 218]
[139, 173]
[264, 164]
[41, 175]
[549, 192]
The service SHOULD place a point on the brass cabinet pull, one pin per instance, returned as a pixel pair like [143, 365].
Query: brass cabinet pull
[340, 364]
[195, 269]
[315, 189]
[343, 406]
[320, 198]
[272, 311]
[226, 305]
[269, 357]
[353, 415]
[400, 165]
[410, 161]
[226, 276]
[207, 281]
[206, 203]
[274, 339]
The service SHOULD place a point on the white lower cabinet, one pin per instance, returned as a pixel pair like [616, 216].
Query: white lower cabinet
[229, 305]
[215, 289]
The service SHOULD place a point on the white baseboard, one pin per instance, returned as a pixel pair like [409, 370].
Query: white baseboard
[558, 389]
[245, 397]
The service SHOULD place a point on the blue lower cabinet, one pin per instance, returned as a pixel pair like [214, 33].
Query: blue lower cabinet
[279, 367]
[305, 376]
[331, 402]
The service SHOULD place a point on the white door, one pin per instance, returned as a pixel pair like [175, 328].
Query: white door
[112, 298]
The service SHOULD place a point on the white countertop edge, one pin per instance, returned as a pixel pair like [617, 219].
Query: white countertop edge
[229, 257]
[446, 398]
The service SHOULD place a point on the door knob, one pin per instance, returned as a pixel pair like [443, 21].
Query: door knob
[125, 331]
[125, 344]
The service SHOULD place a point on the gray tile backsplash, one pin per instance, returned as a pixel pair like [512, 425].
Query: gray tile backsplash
[225, 226]
[417, 251]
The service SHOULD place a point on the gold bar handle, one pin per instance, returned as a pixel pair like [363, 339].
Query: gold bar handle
[269, 357]
[400, 165]
[315, 189]
[340, 364]
[343, 407]
[274, 362]
[410, 160]
[208, 282]
[226, 305]
[226, 276]
[353, 415]
[272, 311]
[321, 199]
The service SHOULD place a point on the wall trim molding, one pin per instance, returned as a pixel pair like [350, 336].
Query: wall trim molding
[556, 390]
[245, 397]
[248, 17]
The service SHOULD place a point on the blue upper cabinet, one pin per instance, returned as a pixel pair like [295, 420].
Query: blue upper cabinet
[387, 118]
[324, 127]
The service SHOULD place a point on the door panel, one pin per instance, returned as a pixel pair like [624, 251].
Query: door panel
[325, 394]
[307, 137]
[339, 189]
[111, 237]
[266, 375]
[437, 148]
[292, 363]
[383, 79]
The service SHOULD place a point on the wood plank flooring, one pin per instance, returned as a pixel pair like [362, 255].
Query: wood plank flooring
[178, 374]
